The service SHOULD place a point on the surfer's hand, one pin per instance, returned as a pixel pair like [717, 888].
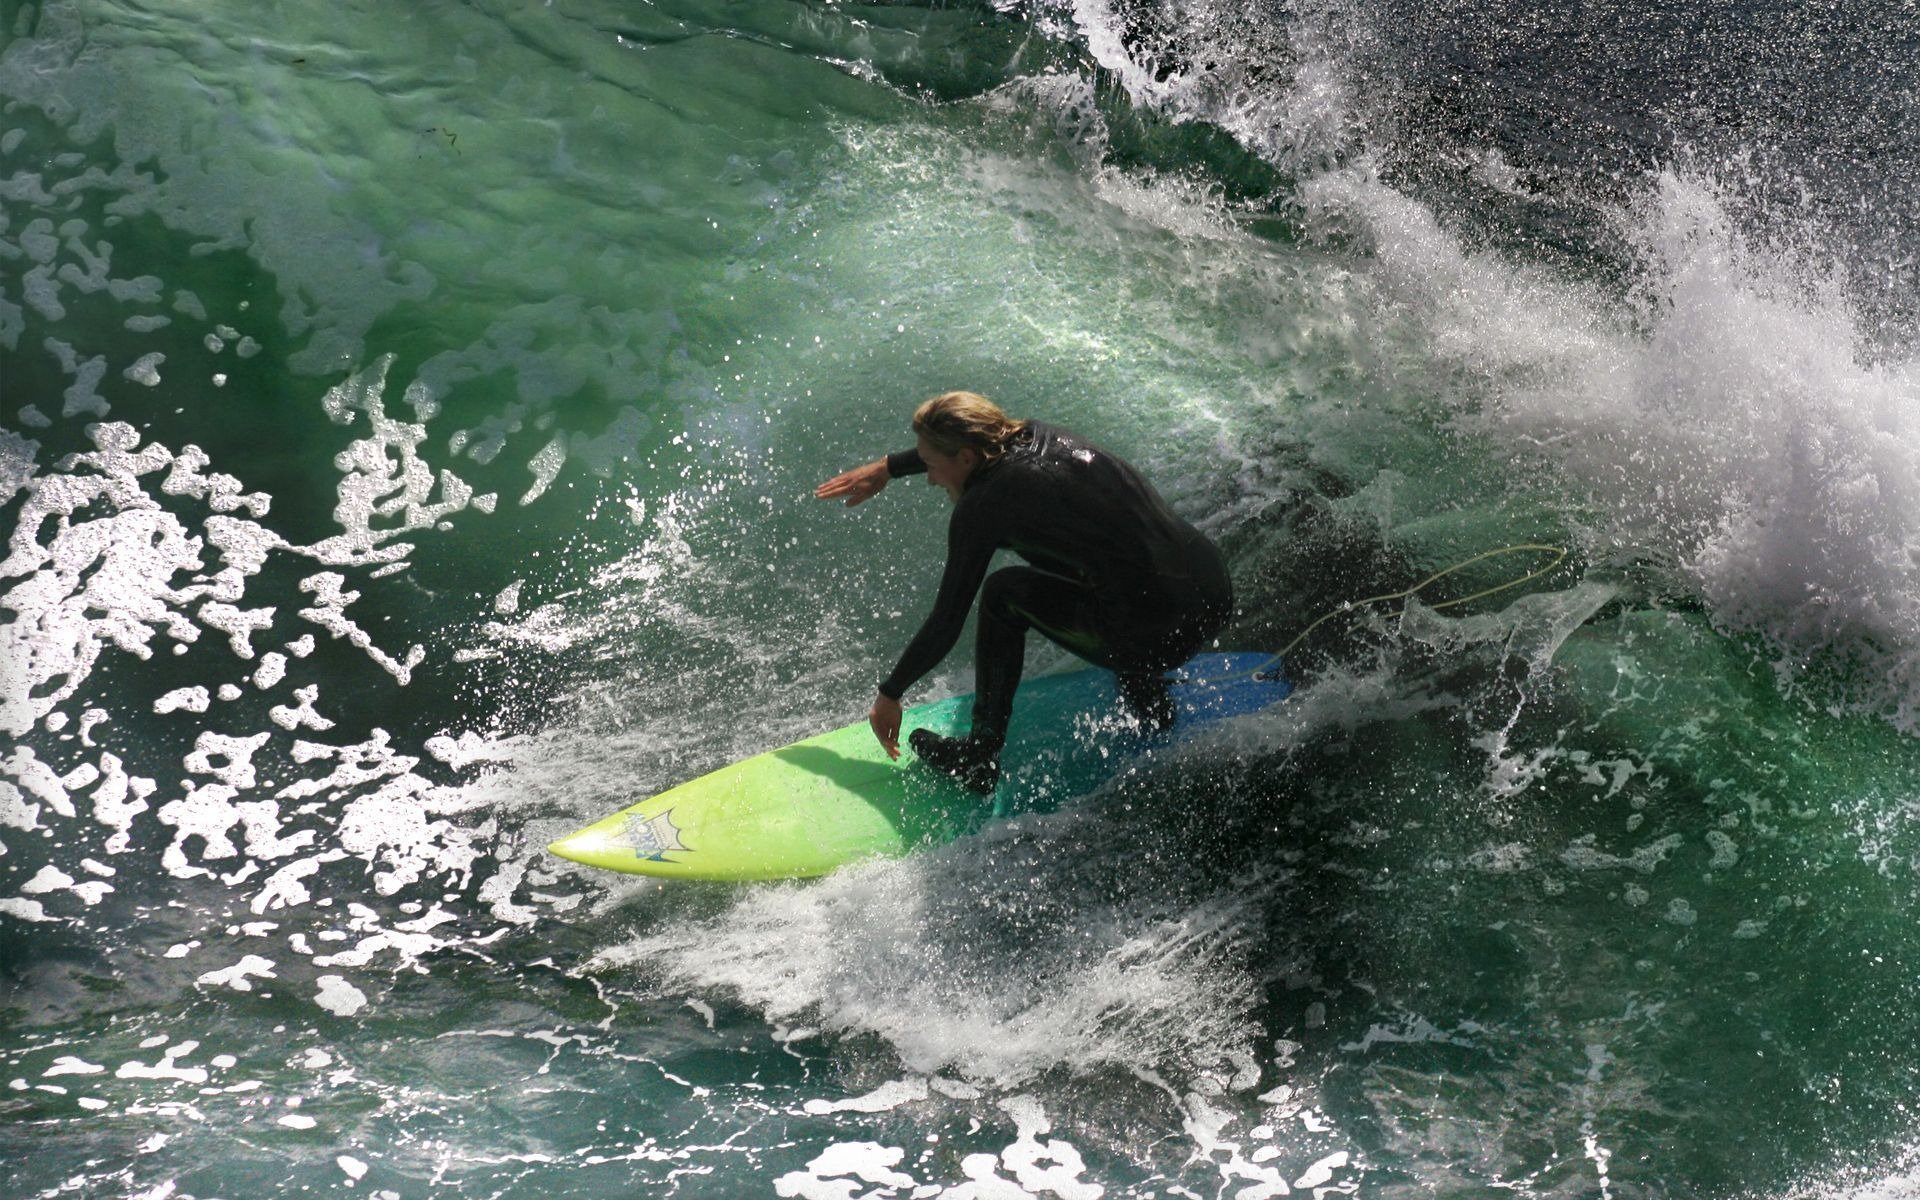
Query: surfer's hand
[857, 485]
[885, 719]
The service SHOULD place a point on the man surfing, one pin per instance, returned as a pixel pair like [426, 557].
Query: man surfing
[1114, 576]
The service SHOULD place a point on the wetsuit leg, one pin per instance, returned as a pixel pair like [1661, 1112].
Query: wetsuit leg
[1191, 615]
[1139, 647]
[1014, 600]
[1148, 696]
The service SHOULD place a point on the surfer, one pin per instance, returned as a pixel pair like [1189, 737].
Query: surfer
[1114, 576]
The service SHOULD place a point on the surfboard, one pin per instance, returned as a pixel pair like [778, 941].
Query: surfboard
[836, 798]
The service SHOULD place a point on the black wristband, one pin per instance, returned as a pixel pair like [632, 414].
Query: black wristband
[905, 462]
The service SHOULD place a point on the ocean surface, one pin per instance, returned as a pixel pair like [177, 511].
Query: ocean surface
[408, 419]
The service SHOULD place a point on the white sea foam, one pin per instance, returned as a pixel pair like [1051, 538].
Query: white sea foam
[826, 1175]
[97, 582]
[17, 465]
[1033, 1167]
[82, 397]
[1730, 417]
[329, 612]
[272, 669]
[117, 800]
[239, 976]
[377, 940]
[146, 371]
[908, 950]
[545, 467]
[286, 887]
[168, 1069]
[104, 557]
[227, 759]
[38, 780]
[386, 489]
[30, 911]
[1043, 1166]
[300, 715]
[206, 813]
[184, 699]
[1200, 61]
[469, 748]
[396, 818]
[885, 1098]
[52, 879]
[340, 997]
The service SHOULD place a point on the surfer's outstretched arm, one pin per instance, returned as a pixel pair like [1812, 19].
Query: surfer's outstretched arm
[856, 486]
[864, 483]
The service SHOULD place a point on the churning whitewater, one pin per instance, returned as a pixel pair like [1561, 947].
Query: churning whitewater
[408, 420]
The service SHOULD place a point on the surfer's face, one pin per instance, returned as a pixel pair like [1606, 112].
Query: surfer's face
[948, 472]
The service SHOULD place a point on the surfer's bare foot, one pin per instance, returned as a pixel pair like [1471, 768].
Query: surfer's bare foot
[974, 765]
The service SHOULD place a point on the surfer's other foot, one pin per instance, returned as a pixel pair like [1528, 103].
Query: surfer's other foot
[1148, 699]
[975, 765]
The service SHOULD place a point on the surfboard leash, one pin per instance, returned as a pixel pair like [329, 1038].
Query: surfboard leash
[1271, 668]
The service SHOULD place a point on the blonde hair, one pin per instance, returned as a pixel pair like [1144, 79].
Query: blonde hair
[956, 421]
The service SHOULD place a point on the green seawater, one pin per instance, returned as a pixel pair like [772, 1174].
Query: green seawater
[408, 420]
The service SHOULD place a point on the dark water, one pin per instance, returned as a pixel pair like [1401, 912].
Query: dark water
[407, 419]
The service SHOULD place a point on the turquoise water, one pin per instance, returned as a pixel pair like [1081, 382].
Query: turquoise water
[407, 424]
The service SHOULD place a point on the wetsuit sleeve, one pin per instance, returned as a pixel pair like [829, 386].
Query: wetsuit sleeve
[905, 462]
[970, 547]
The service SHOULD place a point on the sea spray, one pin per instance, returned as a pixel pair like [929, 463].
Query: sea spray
[1557, 893]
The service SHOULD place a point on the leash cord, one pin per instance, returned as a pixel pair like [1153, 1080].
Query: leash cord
[1270, 668]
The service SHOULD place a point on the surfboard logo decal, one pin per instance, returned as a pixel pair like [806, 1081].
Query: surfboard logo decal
[653, 837]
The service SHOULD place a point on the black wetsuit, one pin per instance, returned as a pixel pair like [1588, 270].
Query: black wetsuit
[1116, 577]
